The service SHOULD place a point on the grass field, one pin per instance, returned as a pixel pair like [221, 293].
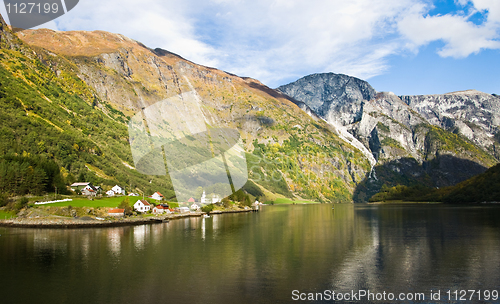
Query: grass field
[6, 214]
[289, 201]
[103, 202]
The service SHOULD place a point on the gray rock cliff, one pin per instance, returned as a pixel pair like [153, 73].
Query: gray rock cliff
[436, 140]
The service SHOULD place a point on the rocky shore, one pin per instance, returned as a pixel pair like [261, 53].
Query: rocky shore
[91, 222]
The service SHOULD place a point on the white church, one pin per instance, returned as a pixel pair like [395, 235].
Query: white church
[205, 201]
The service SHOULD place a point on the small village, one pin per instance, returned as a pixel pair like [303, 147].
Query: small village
[90, 205]
[156, 203]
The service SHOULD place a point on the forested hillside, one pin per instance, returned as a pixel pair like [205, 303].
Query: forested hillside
[484, 187]
[52, 131]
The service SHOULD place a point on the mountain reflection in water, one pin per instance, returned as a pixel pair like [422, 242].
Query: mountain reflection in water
[257, 257]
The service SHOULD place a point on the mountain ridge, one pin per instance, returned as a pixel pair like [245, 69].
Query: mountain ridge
[426, 135]
[327, 150]
[289, 153]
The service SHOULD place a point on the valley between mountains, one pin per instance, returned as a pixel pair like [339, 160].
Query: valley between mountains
[67, 97]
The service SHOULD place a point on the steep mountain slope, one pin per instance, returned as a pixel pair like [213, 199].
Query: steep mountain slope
[473, 114]
[289, 152]
[484, 187]
[425, 140]
[53, 116]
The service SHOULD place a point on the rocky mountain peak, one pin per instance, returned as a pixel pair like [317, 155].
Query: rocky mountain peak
[335, 97]
[437, 140]
[471, 113]
[467, 92]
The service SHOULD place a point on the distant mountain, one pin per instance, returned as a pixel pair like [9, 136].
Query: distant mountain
[435, 140]
[99, 80]
[484, 187]
[335, 97]
[68, 97]
[473, 114]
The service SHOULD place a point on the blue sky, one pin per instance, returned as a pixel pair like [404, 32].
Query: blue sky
[403, 46]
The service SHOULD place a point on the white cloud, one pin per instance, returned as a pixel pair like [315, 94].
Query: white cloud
[280, 40]
[461, 36]
[154, 23]
[288, 39]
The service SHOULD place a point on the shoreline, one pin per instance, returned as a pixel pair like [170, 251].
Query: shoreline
[88, 222]
[395, 202]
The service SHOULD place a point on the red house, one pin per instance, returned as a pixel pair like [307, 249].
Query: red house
[116, 212]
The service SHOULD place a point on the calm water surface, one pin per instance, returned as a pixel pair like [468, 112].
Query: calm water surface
[258, 257]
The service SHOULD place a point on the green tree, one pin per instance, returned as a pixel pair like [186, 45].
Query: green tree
[198, 193]
[125, 204]
[208, 208]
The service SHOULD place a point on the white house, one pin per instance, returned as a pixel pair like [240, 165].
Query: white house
[157, 196]
[98, 189]
[88, 187]
[133, 194]
[215, 199]
[195, 207]
[142, 206]
[161, 209]
[88, 191]
[118, 190]
[110, 193]
[183, 209]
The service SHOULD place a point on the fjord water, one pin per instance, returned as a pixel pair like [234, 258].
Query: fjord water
[258, 257]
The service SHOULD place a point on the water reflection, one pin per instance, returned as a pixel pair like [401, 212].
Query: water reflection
[419, 249]
[114, 241]
[140, 235]
[259, 257]
[203, 229]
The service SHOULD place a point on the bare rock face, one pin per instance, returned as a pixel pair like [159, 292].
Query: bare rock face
[437, 140]
[335, 97]
[473, 114]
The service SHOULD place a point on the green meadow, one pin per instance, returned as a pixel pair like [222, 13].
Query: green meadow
[103, 202]
[6, 214]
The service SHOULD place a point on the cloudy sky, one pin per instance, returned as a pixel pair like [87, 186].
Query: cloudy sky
[403, 46]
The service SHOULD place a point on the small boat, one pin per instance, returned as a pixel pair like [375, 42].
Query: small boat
[206, 216]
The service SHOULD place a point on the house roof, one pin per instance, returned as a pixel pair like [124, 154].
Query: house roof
[159, 194]
[79, 184]
[116, 210]
[160, 207]
[191, 200]
[144, 202]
